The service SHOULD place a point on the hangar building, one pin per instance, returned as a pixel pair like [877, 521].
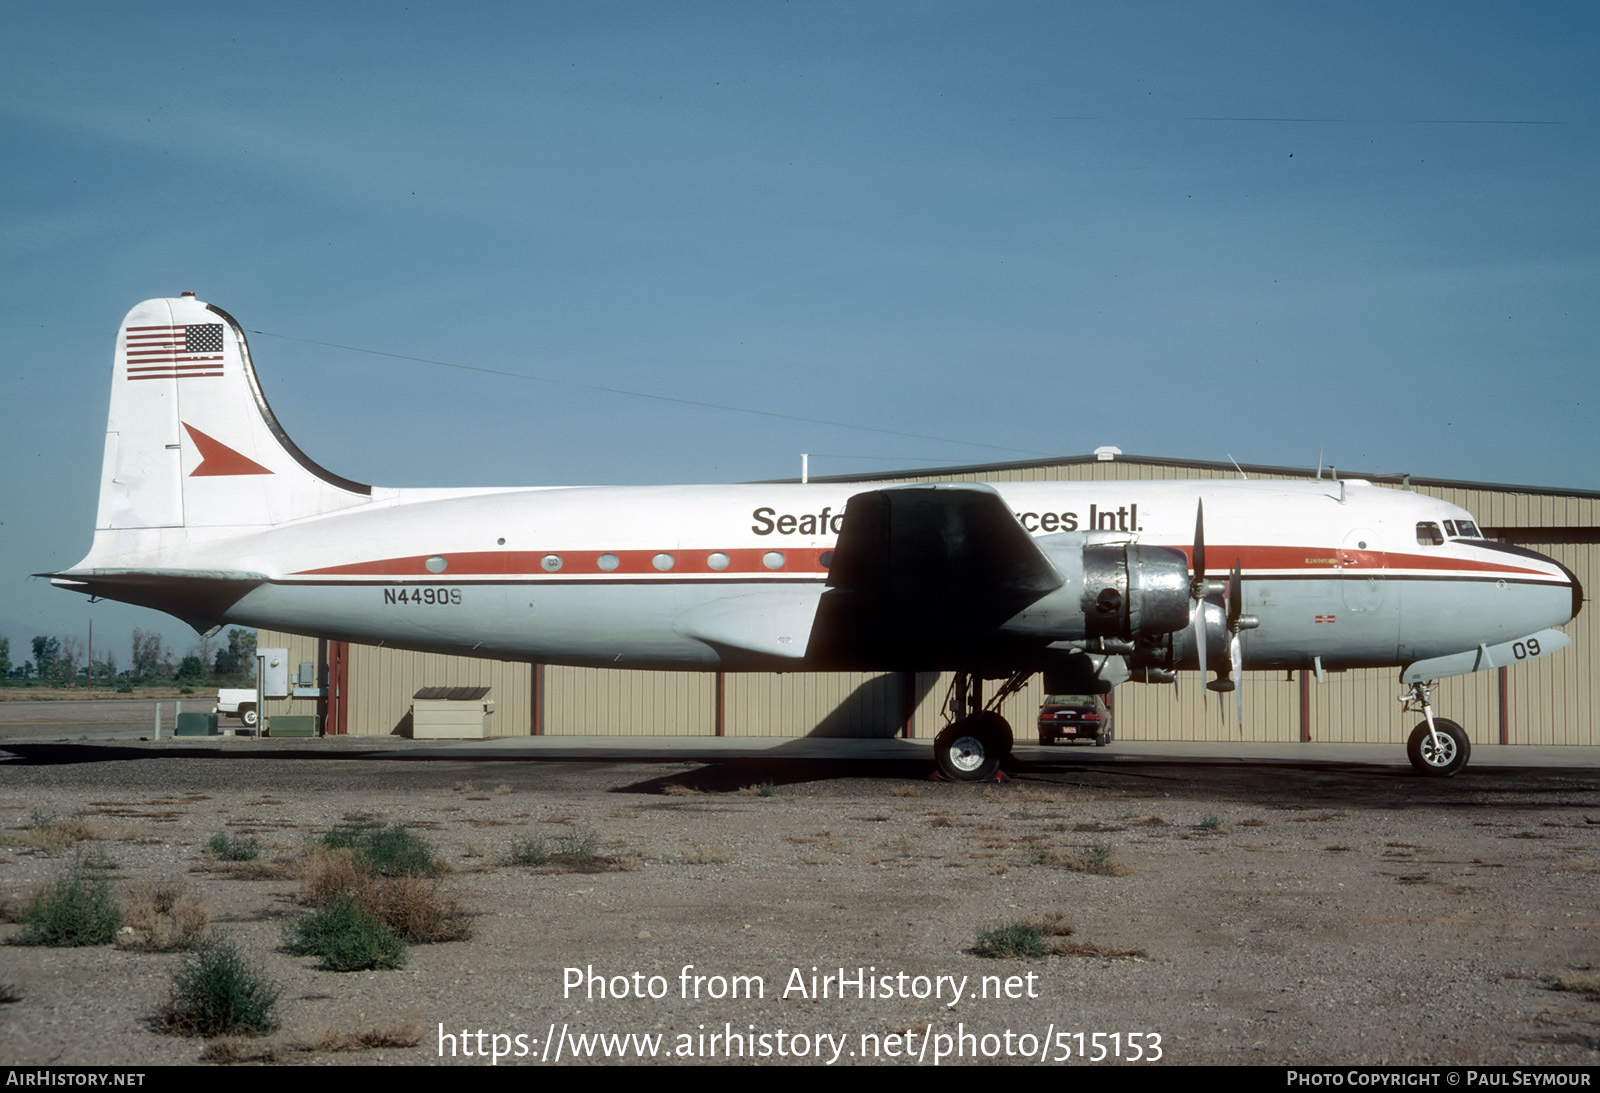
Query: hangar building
[369, 690]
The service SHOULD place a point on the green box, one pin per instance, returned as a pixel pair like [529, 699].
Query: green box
[288, 725]
[196, 724]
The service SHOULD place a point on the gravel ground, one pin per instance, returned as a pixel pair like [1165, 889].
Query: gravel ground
[1244, 912]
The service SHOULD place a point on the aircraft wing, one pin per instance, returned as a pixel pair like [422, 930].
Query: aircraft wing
[916, 565]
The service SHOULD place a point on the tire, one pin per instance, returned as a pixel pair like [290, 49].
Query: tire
[1046, 738]
[1102, 738]
[970, 749]
[1439, 763]
[249, 716]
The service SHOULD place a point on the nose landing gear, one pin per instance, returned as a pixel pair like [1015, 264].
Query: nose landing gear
[1438, 747]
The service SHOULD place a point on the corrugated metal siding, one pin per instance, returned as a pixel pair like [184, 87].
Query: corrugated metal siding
[606, 702]
[814, 704]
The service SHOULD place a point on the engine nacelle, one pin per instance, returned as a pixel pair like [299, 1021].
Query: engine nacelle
[1114, 588]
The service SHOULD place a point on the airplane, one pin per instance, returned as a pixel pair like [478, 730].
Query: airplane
[210, 512]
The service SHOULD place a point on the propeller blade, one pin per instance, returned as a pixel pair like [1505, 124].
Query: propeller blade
[1200, 637]
[1235, 596]
[1236, 656]
[1198, 559]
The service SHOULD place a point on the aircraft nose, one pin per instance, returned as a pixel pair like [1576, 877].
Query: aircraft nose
[1577, 590]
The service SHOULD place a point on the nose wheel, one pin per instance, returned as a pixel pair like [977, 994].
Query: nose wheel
[1438, 748]
[1439, 754]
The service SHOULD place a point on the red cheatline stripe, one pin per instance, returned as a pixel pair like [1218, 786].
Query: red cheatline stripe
[1255, 560]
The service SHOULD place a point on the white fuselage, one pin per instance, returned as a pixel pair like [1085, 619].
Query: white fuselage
[628, 576]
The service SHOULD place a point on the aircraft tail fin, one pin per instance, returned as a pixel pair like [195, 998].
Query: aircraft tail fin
[191, 442]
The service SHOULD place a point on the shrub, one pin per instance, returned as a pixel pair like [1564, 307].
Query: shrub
[164, 917]
[530, 851]
[228, 848]
[218, 992]
[75, 908]
[346, 937]
[387, 851]
[1011, 939]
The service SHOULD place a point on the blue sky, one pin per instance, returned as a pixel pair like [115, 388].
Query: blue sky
[1272, 230]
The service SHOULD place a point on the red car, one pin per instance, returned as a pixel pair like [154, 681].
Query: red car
[1075, 717]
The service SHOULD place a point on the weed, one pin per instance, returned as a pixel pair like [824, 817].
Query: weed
[406, 1032]
[164, 917]
[1212, 823]
[76, 908]
[388, 851]
[1011, 939]
[346, 937]
[580, 843]
[673, 789]
[418, 909]
[228, 848]
[218, 992]
[1098, 858]
[530, 851]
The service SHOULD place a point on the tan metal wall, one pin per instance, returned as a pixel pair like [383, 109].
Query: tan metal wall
[1545, 702]
[599, 702]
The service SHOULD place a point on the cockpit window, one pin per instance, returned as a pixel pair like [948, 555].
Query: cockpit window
[1468, 529]
[1450, 528]
[1428, 533]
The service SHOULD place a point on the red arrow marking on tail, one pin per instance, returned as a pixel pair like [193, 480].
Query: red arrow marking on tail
[216, 458]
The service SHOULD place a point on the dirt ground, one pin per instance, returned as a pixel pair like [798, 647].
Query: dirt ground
[1220, 913]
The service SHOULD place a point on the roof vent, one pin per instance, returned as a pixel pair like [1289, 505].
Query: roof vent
[1106, 453]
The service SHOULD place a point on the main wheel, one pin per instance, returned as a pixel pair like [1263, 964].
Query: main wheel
[1448, 757]
[1102, 738]
[970, 749]
[248, 715]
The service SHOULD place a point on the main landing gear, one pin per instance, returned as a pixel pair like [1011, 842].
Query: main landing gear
[972, 747]
[1438, 747]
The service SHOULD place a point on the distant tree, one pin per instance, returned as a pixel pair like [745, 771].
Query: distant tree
[239, 657]
[202, 649]
[69, 659]
[5, 658]
[45, 653]
[191, 669]
[105, 666]
[26, 671]
[151, 658]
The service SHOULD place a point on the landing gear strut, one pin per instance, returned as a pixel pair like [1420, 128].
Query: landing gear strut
[972, 747]
[1438, 747]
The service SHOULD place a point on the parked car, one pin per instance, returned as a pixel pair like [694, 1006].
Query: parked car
[238, 702]
[1075, 717]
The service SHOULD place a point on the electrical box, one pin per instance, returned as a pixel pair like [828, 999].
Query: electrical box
[274, 672]
[307, 675]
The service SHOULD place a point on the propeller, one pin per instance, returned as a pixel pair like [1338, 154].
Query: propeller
[1197, 583]
[1234, 618]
